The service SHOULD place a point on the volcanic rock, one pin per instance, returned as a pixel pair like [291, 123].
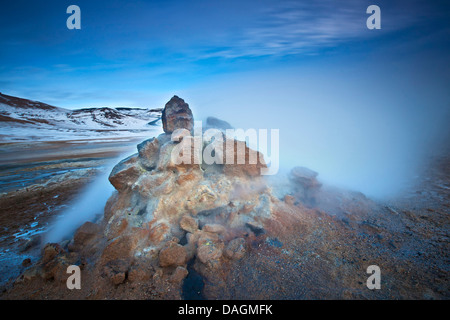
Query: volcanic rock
[125, 173]
[86, 233]
[235, 249]
[148, 151]
[209, 251]
[189, 224]
[116, 271]
[177, 115]
[305, 177]
[306, 184]
[50, 251]
[212, 122]
[173, 255]
[214, 228]
[178, 275]
[26, 262]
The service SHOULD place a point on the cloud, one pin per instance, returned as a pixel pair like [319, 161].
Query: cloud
[294, 27]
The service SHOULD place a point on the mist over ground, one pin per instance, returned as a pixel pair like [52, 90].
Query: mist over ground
[370, 128]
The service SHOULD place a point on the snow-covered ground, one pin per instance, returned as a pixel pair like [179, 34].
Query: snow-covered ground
[25, 120]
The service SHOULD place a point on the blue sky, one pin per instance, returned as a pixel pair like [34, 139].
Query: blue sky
[130, 52]
[362, 107]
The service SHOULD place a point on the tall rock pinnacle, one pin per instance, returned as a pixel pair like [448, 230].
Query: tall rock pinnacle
[177, 115]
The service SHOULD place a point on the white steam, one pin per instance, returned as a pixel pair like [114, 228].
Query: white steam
[88, 205]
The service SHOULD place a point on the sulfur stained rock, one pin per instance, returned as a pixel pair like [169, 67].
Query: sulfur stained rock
[245, 161]
[159, 200]
[190, 176]
[209, 250]
[122, 247]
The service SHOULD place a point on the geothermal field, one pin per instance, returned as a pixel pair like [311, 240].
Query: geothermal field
[236, 152]
[149, 225]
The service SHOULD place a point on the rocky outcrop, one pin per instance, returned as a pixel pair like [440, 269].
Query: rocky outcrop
[165, 215]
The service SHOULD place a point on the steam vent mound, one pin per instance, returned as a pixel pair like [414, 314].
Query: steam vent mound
[192, 230]
[165, 221]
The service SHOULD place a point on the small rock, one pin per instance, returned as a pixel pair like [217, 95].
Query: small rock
[214, 228]
[139, 273]
[51, 250]
[256, 229]
[178, 275]
[209, 251]
[189, 224]
[290, 200]
[235, 249]
[306, 183]
[116, 271]
[174, 255]
[118, 278]
[274, 242]
[26, 262]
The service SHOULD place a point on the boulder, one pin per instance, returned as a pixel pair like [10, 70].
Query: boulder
[305, 177]
[177, 115]
[212, 122]
[306, 184]
[125, 173]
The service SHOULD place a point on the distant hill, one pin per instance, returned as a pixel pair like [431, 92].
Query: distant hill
[23, 119]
